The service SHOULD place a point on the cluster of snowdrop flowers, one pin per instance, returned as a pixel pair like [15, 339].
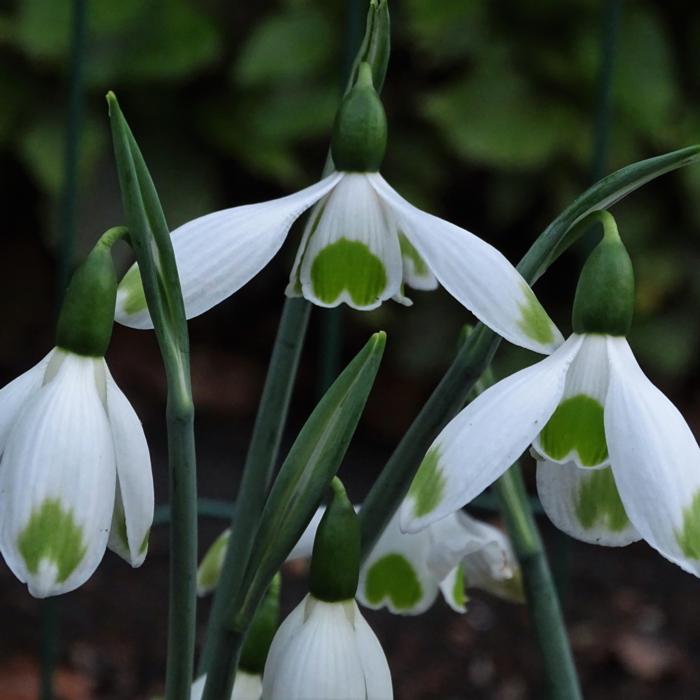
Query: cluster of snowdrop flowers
[405, 572]
[616, 460]
[361, 244]
[75, 471]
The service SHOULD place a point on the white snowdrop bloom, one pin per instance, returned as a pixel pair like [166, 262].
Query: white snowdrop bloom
[617, 461]
[326, 651]
[75, 473]
[363, 243]
[247, 686]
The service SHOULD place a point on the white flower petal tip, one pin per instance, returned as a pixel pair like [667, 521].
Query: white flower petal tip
[486, 438]
[584, 504]
[210, 567]
[218, 253]
[59, 497]
[475, 273]
[655, 459]
[247, 686]
[326, 651]
[350, 251]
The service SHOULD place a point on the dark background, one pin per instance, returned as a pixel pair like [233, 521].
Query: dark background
[492, 113]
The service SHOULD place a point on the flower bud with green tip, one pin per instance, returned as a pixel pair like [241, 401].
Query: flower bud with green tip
[75, 471]
[325, 648]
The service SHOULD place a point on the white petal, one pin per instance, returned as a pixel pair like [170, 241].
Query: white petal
[482, 441]
[576, 432]
[655, 459]
[584, 504]
[14, 394]
[320, 661]
[475, 273]
[57, 482]
[416, 272]
[352, 256]
[373, 660]
[396, 574]
[133, 512]
[209, 569]
[247, 686]
[218, 253]
[305, 546]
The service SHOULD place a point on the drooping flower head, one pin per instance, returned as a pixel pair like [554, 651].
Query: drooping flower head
[75, 473]
[325, 648]
[363, 243]
[617, 461]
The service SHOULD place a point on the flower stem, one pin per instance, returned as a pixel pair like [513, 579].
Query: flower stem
[542, 599]
[257, 474]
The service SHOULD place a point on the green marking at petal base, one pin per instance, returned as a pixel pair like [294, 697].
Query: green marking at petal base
[689, 537]
[394, 578]
[598, 502]
[420, 268]
[210, 568]
[576, 426]
[52, 534]
[144, 543]
[121, 529]
[534, 321]
[348, 265]
[428, 487]
[132, 288]
[458, 589]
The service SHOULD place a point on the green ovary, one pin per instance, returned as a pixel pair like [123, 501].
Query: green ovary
[428, 487]
[534, 321]
[688, 537]
[348, 266]
[132, 288]
[598, 502]
[394, 578]
[53, 535]
[576, 426]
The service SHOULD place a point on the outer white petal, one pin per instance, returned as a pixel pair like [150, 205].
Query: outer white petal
[373, 661]
[584, 503]
[320, 660]
[247, 686]
[133, 512]
[475, 273]
[482, 441]
[396, 573]
[14, 394]
[655, 459]
[353, 254]
[305, 546]
[218, 253]
[57, 482]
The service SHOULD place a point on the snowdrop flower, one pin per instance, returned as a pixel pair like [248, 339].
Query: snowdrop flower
[325, 650]
[363, 242]
[617, 461]
[75, 473]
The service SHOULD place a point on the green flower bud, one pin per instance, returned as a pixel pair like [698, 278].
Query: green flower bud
[359, 131]
[87, 315]
[262, 631]
[335, 562]
[604, 301]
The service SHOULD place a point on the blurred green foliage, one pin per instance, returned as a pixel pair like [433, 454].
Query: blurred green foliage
[491, 109]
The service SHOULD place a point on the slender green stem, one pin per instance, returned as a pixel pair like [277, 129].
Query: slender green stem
[543, 603]
[257, 474]
[49, 644]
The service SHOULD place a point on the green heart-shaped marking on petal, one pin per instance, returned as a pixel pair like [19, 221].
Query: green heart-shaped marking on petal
[576, 427]
[598, 502]
[392, 577]
[689, 536]
[52, 534]
[348, 266]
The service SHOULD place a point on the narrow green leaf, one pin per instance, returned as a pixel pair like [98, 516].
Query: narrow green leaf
[313, 461]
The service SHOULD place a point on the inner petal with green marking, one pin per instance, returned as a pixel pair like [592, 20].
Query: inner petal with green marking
[393, 578]
[598, 502]
[576, 432]
[349, 267]
[52, 535]
[131, 294]
[428, 487]
[688, 537]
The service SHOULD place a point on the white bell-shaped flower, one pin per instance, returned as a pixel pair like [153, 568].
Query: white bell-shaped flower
[75, 473]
